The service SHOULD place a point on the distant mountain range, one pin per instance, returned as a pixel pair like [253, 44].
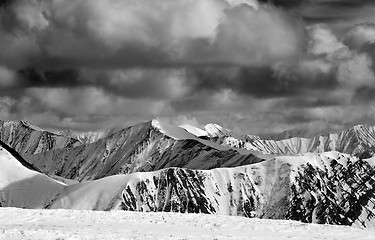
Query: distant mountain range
[155, 166]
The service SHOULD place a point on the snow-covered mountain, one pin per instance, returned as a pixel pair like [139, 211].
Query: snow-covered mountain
[331, 187]
[193, 170]
[27, 139]
[358, 140]
[156, 145]
[147, 146]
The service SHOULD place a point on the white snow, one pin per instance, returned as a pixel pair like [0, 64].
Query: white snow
[73, 224]
[215, 130]
[172, 131]
[194, 130]
[24, 187]
[180, 133]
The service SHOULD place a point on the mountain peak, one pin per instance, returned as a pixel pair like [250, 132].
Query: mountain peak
[31, 126]
[215, 130]
[171, 130]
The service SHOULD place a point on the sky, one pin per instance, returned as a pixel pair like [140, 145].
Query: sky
[252, 66]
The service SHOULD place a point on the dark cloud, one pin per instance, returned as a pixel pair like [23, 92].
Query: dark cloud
[237, 62]
[125, 34]
[5, 3]
[263, 82]
[319, 100]
[364, 95]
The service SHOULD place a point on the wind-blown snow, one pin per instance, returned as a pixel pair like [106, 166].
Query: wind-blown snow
[18, 224]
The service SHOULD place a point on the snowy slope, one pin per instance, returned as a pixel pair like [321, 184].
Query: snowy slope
[29, 139]
[67, 224]
[23, 187]
[329, 188]
[147, 146]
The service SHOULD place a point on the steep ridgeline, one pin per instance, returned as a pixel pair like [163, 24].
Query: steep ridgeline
[358, 141]
[27, 139]
[330, 188]
[148, 146]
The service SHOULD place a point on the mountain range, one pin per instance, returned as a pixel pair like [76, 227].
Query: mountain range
[155, 166]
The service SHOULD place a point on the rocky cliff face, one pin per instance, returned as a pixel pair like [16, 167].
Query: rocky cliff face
[341, 193]
[329, 188]
[27, 139]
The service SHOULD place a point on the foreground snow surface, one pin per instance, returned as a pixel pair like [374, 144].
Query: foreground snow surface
[73, 224]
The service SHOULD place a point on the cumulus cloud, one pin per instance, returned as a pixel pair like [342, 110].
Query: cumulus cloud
[253, 37]
[322, 40]
[328, 59]
[359, 35]
[126, 34]
[356, 71]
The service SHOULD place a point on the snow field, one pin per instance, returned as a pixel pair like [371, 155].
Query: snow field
[73, 225]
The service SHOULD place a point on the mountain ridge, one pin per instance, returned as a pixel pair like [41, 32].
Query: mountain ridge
[26, 138]
[144, 147]
[330, 188]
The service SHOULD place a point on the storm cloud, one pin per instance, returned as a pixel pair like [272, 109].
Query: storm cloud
[245, 64]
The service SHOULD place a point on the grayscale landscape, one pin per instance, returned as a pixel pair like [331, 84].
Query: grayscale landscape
[187, 119]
